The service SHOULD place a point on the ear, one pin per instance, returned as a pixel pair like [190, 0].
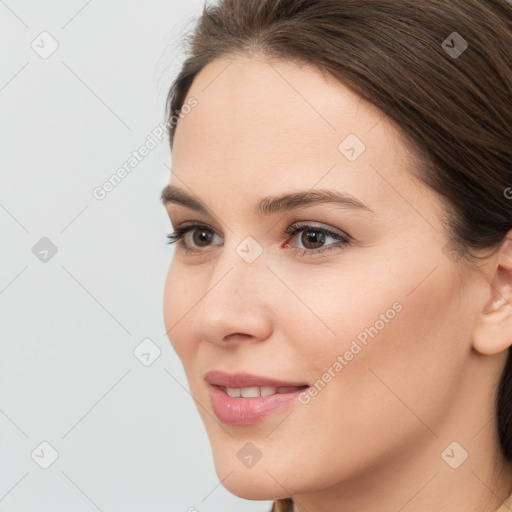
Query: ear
[493, 329]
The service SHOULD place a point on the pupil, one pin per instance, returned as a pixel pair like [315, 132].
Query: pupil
[315, 237]
[201, 236]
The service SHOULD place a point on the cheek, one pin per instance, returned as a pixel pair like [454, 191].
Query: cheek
[395, 350]
[330, 309]
[179, 298]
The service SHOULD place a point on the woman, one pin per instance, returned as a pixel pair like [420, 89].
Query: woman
[341, 291]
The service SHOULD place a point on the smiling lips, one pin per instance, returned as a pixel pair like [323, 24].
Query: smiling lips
[244, 399]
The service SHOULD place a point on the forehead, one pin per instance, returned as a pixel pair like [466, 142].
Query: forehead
[265, 125]
[276, 97]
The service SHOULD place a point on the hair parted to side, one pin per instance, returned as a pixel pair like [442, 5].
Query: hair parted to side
[455, 112]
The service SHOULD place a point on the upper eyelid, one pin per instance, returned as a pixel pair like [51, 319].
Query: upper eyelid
[313, 224]
[297, 224]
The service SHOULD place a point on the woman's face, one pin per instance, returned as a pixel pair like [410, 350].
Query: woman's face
[372, 314]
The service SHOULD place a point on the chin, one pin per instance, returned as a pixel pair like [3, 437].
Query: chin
[262, 481]
[250, 486]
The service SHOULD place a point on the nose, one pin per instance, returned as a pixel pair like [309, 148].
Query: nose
[236, 303]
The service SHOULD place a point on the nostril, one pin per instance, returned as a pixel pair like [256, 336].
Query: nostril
[236, 334]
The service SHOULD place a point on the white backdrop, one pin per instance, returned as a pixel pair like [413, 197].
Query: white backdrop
[84, 424]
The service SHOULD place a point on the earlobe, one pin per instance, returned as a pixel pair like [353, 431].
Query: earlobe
[493, 330]
[496, 305]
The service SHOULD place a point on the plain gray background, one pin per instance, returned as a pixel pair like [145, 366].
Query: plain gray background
[128, 436]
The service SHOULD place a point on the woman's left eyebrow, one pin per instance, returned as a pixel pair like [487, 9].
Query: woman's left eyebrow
[294, 200]
[272, 204]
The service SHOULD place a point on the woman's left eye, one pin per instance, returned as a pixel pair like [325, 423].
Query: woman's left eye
[313, 239]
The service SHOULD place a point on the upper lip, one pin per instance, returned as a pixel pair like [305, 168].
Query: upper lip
[245, 380]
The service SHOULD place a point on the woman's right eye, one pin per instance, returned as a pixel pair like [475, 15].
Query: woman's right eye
[199, 234]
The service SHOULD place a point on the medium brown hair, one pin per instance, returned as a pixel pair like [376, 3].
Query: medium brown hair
[454, 110]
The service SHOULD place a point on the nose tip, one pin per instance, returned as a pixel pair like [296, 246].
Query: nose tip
[235, 309]
[221, 323]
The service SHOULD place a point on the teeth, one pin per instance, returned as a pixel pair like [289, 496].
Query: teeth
[255, 391]
[267, 390]
[250, 392]
[233, 392]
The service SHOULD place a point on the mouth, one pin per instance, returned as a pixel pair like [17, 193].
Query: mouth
[236, 403]
[259, 391]
[244, 399]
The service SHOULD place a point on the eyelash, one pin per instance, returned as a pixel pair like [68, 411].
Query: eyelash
[178, 234]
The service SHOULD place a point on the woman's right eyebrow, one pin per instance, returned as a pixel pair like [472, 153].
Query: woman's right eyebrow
[175, 195]
[272, 204]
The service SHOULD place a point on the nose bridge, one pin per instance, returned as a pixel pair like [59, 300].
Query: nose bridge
[234, 300]
[241, 270]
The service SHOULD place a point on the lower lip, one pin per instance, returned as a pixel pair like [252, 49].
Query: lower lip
[248, 411]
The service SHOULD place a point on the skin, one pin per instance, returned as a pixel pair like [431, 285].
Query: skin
[372, 439]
